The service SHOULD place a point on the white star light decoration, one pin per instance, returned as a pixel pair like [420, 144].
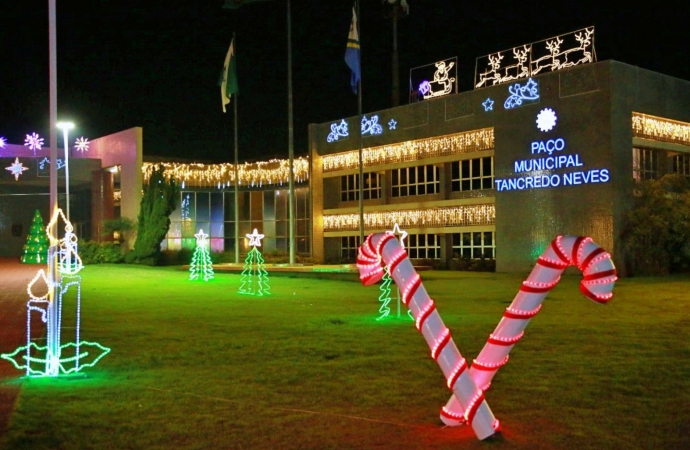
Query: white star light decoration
[82, 144]
[255, 238]
[488, 104]
[396, 231]
[392, 124]
[202, 238]
[546, 119]
[16, 169]
[33, 141]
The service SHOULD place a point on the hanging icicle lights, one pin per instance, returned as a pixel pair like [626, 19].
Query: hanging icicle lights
[274, 171]
[436, 217]
[454, 144]
[660, 129]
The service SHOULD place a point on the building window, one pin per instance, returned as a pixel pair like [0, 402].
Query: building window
[473, 174]
[423, 246]
[420, 180]
[349, 245]
[474, 245]
[645, 164]
[681, 165]
[349, 187]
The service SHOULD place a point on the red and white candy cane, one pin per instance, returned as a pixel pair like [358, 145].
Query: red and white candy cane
[467, 404]
[599, 275]
[476, 411]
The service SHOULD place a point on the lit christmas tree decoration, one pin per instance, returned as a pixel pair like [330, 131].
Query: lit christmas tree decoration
[201, 265]
[385, 297]
[16, 169]
[36, 247]
[81, 144]
[56, 359]
[33, 141]
[254, 278]
[468, 384]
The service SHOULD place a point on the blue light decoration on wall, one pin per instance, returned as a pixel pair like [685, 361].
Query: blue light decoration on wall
[338, 130]
[488, 104]
[553, 166]
[518, 94]
[392, 124]
[371, 126]
[56, 359]
[45, 161]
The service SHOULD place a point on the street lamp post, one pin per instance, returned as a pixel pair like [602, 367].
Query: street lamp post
[65, 127]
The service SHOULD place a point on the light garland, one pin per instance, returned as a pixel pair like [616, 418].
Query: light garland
[436, 217]
[454, 144]
[660, 129]
[274, 171]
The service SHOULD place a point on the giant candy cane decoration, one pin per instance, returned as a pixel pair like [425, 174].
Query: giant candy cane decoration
[467, 403]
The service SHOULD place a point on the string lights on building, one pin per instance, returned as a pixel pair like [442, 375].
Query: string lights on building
[275, 171]
[470, 141]
[660, 129]
[427, 218]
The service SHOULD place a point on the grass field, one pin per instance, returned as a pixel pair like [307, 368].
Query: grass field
[195, 365]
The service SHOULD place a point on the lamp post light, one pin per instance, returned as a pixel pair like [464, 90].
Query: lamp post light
[65, 127]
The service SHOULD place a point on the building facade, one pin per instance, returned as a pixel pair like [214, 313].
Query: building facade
[499, 171]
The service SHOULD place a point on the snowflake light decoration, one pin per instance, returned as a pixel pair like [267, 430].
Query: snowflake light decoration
[82, 144]
[3, 141]
[33, 141]
[16, 169]
[546, 119]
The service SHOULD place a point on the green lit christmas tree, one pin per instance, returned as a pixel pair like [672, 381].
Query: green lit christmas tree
[201, 265]
[36, 247]
[254, 279]
[385, 297]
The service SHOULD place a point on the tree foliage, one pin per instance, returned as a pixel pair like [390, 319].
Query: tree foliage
[657, 228]
[160, 199]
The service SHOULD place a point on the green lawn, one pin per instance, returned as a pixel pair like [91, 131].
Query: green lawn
[195, 365]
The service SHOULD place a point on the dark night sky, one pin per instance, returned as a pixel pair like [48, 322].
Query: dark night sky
[155, 64]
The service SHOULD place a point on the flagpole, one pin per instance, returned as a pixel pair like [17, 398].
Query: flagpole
[359, 124]
[291, 150]
[237, 179]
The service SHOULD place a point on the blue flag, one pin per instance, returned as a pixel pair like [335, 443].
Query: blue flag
[352, 53]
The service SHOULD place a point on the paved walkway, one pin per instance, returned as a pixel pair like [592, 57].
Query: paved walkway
[14, 278]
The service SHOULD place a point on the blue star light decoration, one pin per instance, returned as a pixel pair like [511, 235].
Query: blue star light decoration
[488, 104]
[546, 119]
[16, 169]
[33, 141]
[518, 94]
[391, 124]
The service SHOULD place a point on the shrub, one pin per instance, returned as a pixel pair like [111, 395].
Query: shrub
[92, 252]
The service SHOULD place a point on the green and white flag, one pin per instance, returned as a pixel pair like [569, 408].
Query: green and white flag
[228, 77]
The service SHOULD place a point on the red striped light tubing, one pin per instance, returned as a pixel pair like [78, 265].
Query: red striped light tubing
[473, 408]
[599, 276]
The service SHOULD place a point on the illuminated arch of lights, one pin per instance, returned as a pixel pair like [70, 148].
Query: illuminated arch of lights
[469, 141]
